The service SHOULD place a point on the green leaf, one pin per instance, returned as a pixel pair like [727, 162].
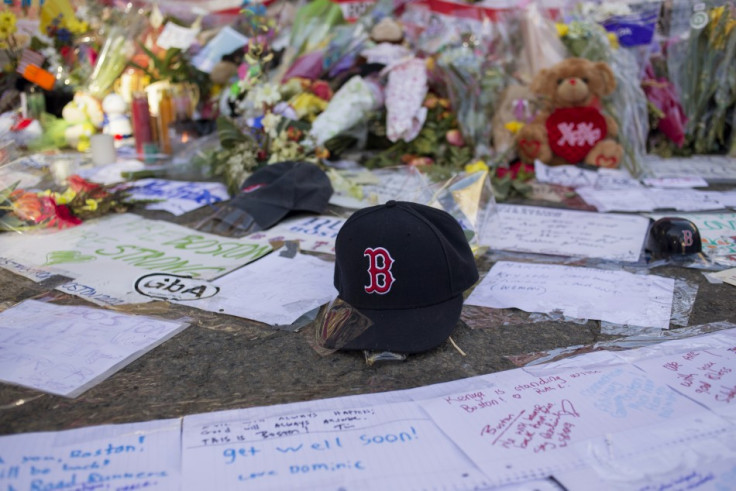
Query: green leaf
[230, 135]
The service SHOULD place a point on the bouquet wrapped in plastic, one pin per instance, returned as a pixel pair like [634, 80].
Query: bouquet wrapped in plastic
[701, 60]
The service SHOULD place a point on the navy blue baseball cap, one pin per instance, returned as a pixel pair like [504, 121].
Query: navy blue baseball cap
[405, 267]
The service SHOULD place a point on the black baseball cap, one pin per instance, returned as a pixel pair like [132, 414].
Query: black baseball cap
[673, 237]
[405, 267]
[273, 191]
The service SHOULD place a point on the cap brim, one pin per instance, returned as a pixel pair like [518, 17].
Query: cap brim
[408, 330]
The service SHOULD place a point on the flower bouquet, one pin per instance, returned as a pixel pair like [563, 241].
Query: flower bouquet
[702, 65]
[23, 210]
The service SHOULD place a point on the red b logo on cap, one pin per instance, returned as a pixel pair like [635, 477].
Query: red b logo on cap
[381, 276]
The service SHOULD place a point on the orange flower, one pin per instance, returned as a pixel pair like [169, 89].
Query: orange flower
[27, 206]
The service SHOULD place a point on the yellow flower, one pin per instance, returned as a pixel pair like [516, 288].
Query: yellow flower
[477, 166]
[514, 126]
[613, 40]
[429, 63]
[4, 32]
[562, 29]
[90, 205]
[65, 197]
[7, 19]
[307, 105]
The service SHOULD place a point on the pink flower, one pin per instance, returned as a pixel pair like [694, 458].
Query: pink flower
[455, 138]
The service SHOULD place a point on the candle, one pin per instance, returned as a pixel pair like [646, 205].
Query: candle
[141, 122]
[102, 148]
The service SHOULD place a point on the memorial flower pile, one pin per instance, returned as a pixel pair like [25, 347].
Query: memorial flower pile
[23, 210]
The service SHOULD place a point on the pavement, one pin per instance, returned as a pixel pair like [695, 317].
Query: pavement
[221, 362]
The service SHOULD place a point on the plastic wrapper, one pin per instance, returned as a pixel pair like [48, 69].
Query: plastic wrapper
[469, 199]
[313, 23]
[638, 339]
[628, 104]
[338, 324]
[483, 318]
[349, 39]
[118, 49]
[348, 107]
[541, 45]
[475, 72]
[634, 24]
[701, 61]
[405, 93]
[45, 194]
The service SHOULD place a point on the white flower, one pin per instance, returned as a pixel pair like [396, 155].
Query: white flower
[270, 121]
[267, 94]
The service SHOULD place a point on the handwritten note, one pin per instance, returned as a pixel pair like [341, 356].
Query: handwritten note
[130, 456]
[574, 177]
[566, 233]
[276, 290]
[65, 350]
[586, 293]
[107, 256]
[178, 197]
[712, 168]
[532, 426]
[706, 376]
[315, 234]
[649, 199]
[392, 446]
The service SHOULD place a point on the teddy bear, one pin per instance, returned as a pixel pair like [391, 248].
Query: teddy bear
[570, 128]
[83, 116]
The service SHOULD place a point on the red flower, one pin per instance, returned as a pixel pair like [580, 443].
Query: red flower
[80, 185]
[63, 217]
[322, 89]
[518, 167]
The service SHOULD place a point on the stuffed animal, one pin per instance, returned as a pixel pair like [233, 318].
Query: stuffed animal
[570, 128]
[84, 116]
[117, 122]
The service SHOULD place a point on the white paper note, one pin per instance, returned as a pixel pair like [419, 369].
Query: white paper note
[532, 426]
[649, 199]
[712, 168]
[315, 234]
[676, 182]
[574, 177]
[176, 36]
[393, 446]
[727, 276]
[585, 293]
[107, 256]
[129, 456]
[566, 233]
[178, 197]
[706, 376]
[276, 290]
[65, 350]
